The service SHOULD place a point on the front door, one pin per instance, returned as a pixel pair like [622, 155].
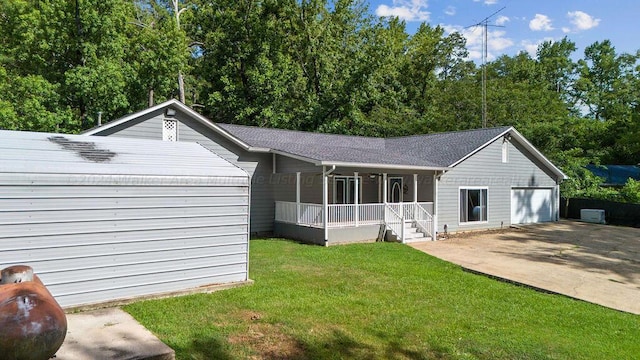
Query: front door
[395, 189]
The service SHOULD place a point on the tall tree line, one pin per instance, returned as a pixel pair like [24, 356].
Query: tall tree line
[314, 65]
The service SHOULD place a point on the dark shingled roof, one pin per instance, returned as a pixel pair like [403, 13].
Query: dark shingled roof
[433, 150]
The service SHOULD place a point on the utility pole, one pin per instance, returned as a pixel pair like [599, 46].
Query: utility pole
[485, 39]
[177, 11]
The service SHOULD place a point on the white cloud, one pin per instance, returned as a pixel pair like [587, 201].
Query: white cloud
[450, 10]
[566, 30]
[540, 23]
[490, 2]
[582, 20]
[408, 10]
[532, 47]
[501, 20]
[497, 41]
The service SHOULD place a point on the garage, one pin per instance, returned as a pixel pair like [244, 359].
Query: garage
[108, 219]
[532, 205]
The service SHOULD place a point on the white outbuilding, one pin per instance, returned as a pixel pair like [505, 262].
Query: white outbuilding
[103, 219]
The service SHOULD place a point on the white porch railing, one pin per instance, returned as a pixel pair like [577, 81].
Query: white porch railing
[394, 221]
[344, 215]
[302, 214]
[423, 220]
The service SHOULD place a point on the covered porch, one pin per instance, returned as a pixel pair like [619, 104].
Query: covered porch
[341, 205]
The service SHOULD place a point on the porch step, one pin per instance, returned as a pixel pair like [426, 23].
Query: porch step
[411, 233]
[419, 239]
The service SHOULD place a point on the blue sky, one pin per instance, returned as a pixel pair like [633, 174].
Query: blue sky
[526, 23]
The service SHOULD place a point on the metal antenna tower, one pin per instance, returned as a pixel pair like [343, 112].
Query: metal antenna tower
[485, 24]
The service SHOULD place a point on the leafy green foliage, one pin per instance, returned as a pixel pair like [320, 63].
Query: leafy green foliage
[313, 65]
[631, 191]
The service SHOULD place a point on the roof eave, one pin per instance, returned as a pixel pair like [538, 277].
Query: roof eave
[184, 108]
[382, 166]
[294, 156]
[532, 149]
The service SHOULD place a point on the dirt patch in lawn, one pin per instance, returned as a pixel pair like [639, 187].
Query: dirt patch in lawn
[268, 341]
[475, 233]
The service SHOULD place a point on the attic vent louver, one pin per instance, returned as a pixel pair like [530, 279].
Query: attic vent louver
[86, 149]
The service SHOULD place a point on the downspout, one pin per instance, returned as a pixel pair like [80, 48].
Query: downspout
[436, 178]
[434, 235]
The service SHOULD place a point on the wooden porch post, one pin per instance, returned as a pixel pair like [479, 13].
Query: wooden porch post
[325, 204]
[415, 188]
[355, 201]
[297, 197]
[385, 186]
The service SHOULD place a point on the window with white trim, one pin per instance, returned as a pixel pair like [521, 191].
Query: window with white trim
[473, 205]
[169, 130]
[344, 189]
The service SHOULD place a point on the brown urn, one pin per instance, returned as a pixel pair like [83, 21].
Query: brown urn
[32, 323]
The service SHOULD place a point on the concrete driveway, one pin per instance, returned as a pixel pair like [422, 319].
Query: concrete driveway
[595, 263]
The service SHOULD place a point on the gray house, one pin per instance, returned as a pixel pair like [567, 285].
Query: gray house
[106, 219]
[329, 189]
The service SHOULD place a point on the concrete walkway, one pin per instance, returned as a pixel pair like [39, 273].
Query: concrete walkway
[110, 334]
[595, 263]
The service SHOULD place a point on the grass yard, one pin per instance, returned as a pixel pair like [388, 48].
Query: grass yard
[381, 301]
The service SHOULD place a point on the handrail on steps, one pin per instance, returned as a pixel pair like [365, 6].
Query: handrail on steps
[424, 220]
[390, 213]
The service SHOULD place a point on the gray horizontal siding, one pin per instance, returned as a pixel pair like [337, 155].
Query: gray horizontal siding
[257, 165]
[286, 164]
[92, 244]
[485, 169]
[148, 126]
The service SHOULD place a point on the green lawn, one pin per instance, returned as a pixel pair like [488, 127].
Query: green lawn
[381, 301]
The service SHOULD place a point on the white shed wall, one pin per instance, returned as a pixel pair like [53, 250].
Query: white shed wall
[96, 237]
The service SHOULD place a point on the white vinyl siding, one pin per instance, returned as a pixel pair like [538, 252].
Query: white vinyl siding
[97, 232]
[257, 165]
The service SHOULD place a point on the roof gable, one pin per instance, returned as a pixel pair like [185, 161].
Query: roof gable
[437, 151]
[449, 148]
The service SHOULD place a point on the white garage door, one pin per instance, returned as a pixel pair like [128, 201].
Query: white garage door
[531, 205]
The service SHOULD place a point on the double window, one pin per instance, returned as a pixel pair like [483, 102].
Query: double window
[344, 190]
[473, 205]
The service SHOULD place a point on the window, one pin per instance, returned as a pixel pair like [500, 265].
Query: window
[344, 190]
[505, 151]
[169, 130]
[473, 205]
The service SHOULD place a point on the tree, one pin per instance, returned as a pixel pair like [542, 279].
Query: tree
[558, 69]
[159, 53]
